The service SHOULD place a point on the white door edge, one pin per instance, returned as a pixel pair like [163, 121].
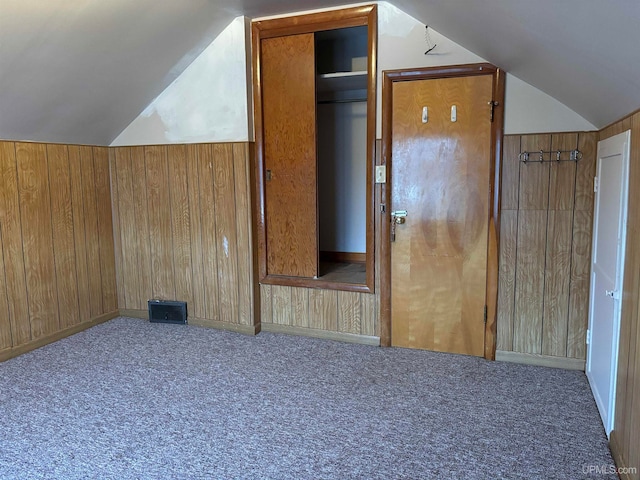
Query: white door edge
[611, 146]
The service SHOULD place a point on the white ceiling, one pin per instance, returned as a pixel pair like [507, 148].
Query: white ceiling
[79, 71]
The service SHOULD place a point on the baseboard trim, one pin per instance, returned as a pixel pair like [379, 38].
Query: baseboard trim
[343, 257]
[12, 352]
[231, 327]
[128, 312]
[324, 334]
[540, 360]
[200, 322]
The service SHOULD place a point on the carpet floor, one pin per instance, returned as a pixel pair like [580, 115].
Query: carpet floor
[133, 400]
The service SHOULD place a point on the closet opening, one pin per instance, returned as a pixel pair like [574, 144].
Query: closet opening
[341, 122]
[315, 108]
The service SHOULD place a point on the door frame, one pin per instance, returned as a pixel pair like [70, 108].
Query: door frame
[625, 139]
[390, 77]
[363, 15]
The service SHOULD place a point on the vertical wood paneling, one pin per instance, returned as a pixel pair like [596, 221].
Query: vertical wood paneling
[618, 127]
[510, 173]
[80, 241]
[368, 303]
[579, 284]
[243, 226]
[266, 304]
[281, 301]
[629, 324]
[534, 177]
[225, 224]
[160, 234]
[198, 309]
[5, 322]
[530, 267]
[128, 226]
[12, 246]
[300, 307]
[506, 278]
[105, 229]
[349, 314]
[581, 248]
[323, 309]
[184, 223]
[587, 144]
[545, 246]
[115, 222]
[47, 199]
[562, 174]
[180, 222]
[63, 235]
[556, 283]
[92, 234]
[629, 387]
[208, 218]
[142, 247]
[37, 237]
[631, 355]
[625, 437]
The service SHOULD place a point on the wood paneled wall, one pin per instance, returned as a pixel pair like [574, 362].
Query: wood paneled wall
[325, 310]
[182, 223]
[545, 247]
[57, 255]
[625, 437]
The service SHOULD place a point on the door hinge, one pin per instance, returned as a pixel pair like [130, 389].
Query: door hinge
[595, 184]
[485, 314]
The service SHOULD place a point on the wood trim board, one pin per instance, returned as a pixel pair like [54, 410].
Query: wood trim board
[324, 334]
[350, 17]
[541, 360]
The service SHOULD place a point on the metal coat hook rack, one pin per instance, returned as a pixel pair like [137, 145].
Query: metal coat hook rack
[554, 156]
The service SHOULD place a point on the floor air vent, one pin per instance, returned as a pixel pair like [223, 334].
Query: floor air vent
[164, 311]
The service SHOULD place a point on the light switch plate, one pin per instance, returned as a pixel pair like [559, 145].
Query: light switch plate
[381, 174]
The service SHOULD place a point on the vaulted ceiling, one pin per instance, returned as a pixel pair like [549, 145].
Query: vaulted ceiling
[79, 71]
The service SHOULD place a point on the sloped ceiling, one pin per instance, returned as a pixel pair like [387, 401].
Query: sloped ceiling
[584, 53]
[79, 71]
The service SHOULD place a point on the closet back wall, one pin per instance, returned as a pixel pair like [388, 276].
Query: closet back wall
[342, 170]
[57, 271]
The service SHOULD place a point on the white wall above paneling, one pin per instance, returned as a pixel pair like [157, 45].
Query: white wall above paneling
[208, 102]
[528, 110]
[402, 44]
[81, 71]
[211, 100]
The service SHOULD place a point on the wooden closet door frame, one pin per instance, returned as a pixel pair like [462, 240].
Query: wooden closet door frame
[497, 131]
[350, 17]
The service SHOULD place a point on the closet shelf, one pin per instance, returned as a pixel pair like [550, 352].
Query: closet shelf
[341, 81]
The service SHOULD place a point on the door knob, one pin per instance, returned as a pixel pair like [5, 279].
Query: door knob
[613, 294]
[398, 217]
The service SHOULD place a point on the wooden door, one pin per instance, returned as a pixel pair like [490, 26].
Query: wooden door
[441, 176]
[289, 123]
